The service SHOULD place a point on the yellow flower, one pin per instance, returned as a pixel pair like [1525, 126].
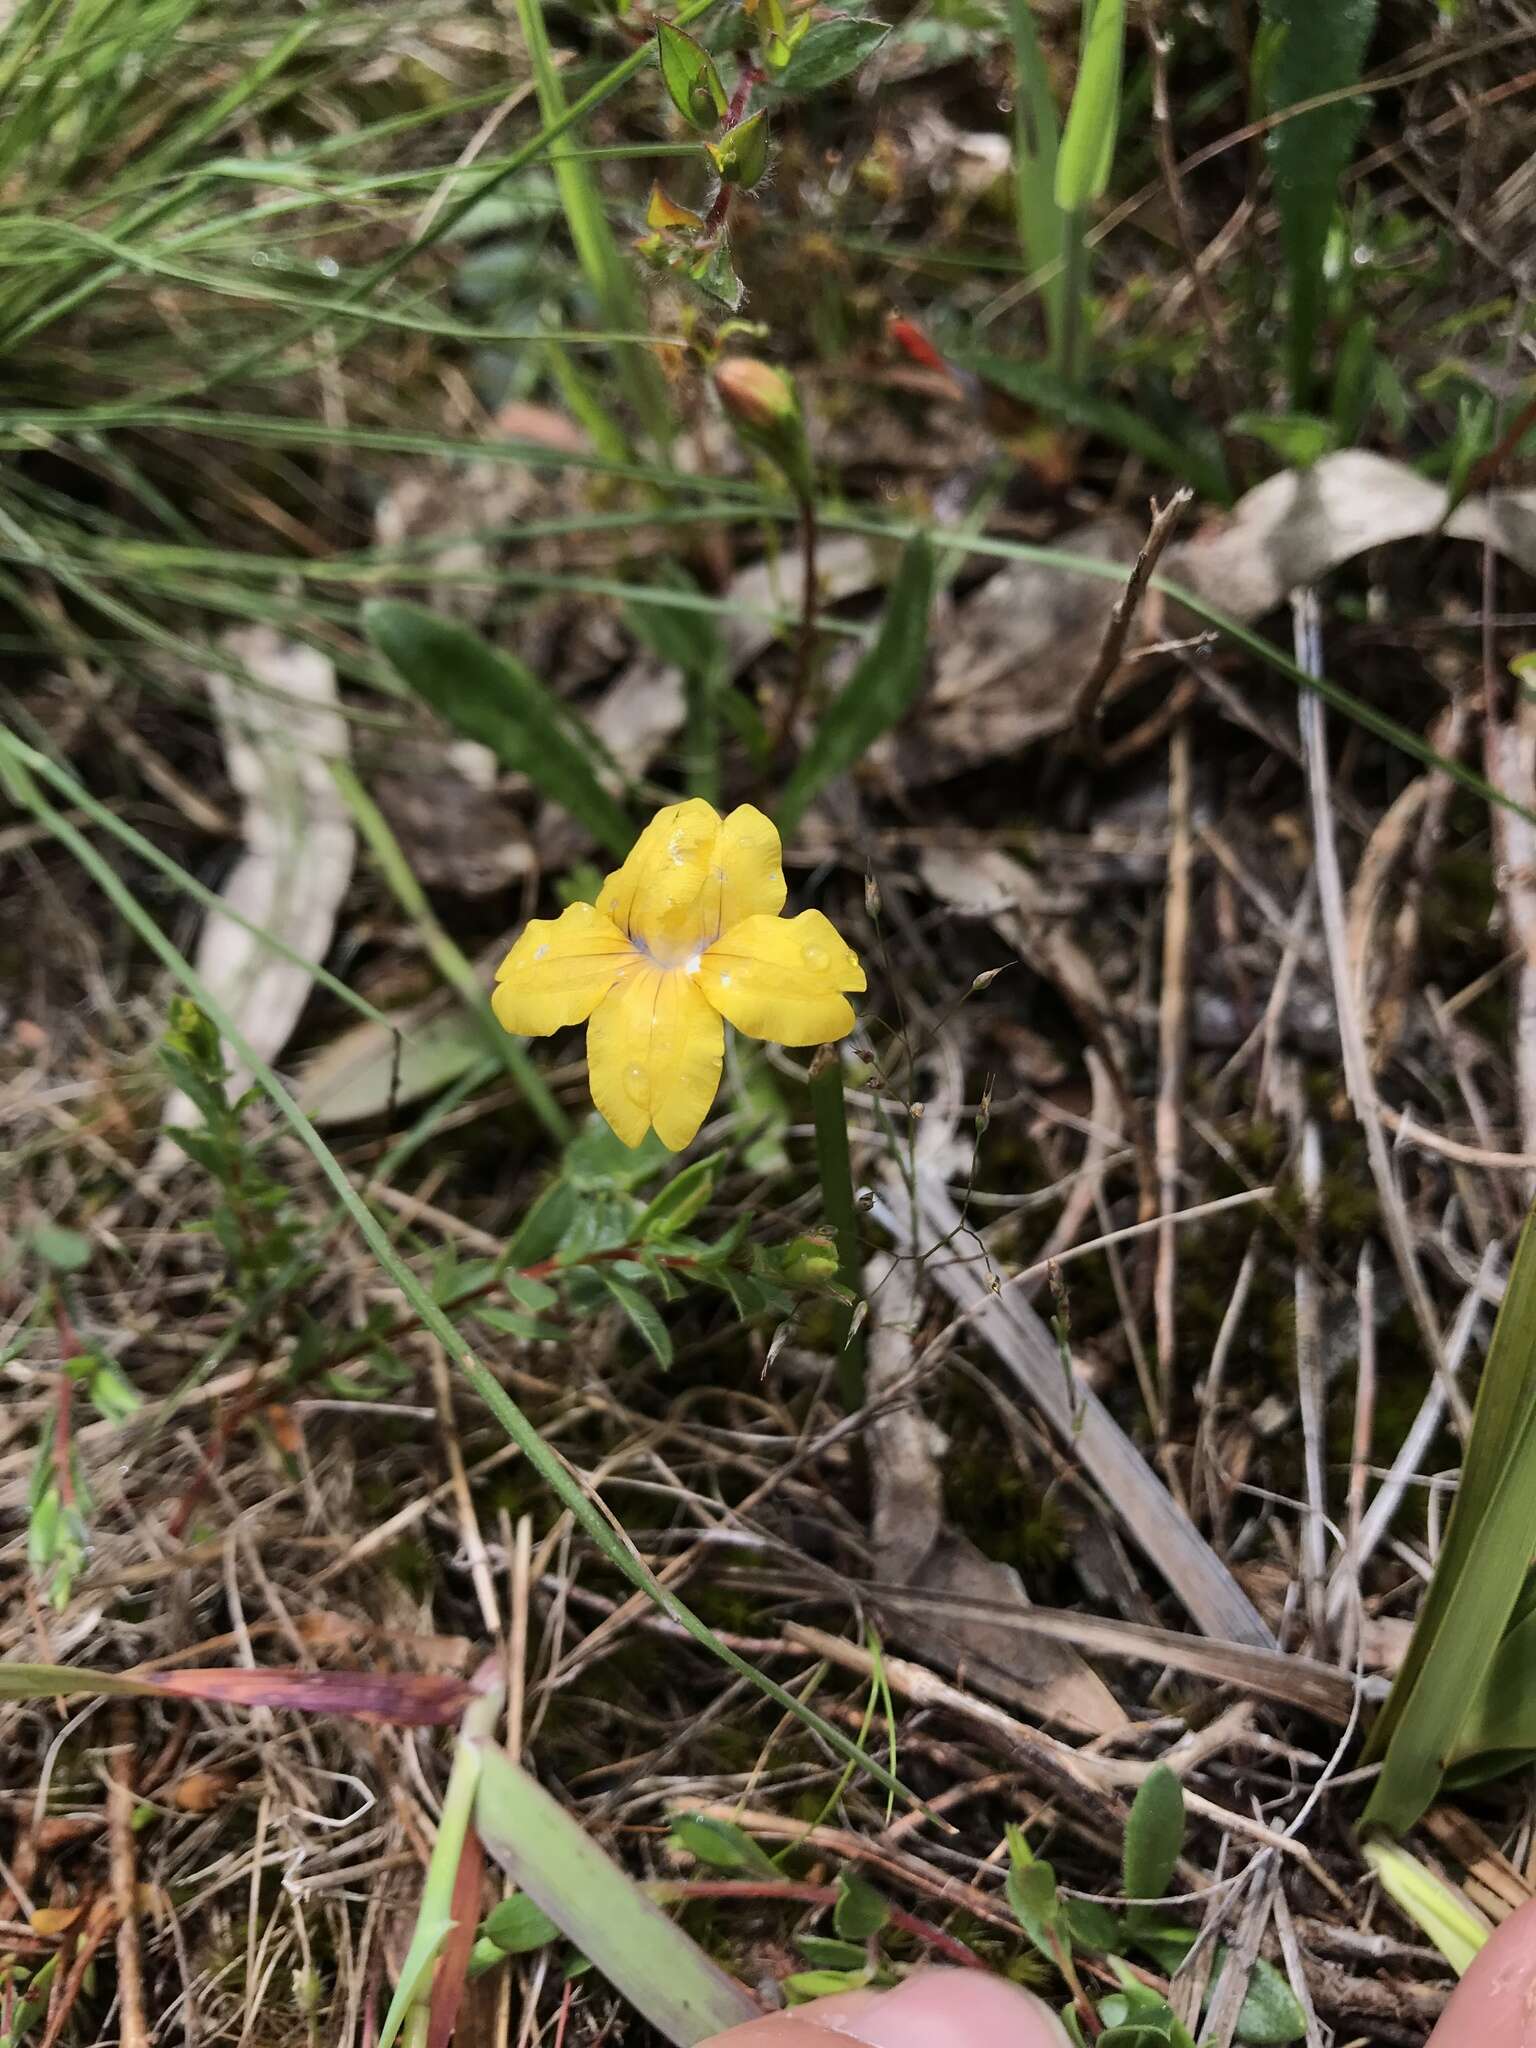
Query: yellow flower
[686, 934]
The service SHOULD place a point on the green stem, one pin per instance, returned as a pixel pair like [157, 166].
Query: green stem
[1074, 284]
[829, 1108]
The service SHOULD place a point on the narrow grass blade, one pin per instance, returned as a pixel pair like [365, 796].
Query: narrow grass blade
[1063, 399]
[445, 956]
[1321, 50]
[661, 1971]
[877, 693]
[434, 1915]
[1039, 220]
[1087, 152]
[495, 700]
[1480, 1572]
[829, 1109]
[1443, 1914]
[605, 268]
[551, 1469]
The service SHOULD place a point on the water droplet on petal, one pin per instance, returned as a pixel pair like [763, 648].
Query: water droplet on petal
[539, 952]
[725, 981]
[635, 1086]
[816, 958]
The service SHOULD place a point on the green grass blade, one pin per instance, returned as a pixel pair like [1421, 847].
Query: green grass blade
[1039, 221]
[1321, 49]
[1480, 1572]
[1057, 394]
[653, 1963]
[606, 269]
[877, 693]
[494, 699]
[550, 1468]
[434, 1914]
[1087, 153]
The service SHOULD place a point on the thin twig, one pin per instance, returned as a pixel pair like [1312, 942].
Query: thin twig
[1173, 1037]
[1357, 1066]
[1164, 519]
[132, 2030]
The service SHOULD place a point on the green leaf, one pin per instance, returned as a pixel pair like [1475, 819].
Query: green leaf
[807, 1984]
[1087, 152]
[861, 1911]
[828, 52]
[63, 1249]
[1432, 1905]
[715, 276]
[1298, 438]
[740, 157]
[642, 1313]
[597, 1158]
[878, 692]
[1479, 1574]
[720, 1844]
[1064, 400]
[1154, 1835]
[1033, 1897]
[679, 1201]
[370, 1067]
[1318, 50]
[494, 699]
[1038, 220]
[517, 1925]
[824, 1954]
[645, 1956]
[544, 1225]
[1093, 1926]
[527, 1327]
[1269, 2016]
[688, 72]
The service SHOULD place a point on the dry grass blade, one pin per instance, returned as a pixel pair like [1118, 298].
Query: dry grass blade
[933, 1230]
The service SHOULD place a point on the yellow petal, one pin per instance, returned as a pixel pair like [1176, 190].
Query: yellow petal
[783, 978]
[655, 896]
[653, 1057]
[559, 971]
[746, 874]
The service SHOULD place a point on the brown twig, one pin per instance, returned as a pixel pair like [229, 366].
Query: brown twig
[1164, 519]
[1173, 1036]
[133, 2032]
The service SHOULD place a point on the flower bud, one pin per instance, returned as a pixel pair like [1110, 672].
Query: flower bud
[765, 412]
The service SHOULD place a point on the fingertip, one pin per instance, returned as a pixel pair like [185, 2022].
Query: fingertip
[936, 2008]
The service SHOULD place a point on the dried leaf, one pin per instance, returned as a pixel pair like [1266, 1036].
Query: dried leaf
[280, 730]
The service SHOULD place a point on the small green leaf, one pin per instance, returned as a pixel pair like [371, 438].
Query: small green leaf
[1299, 438]
[823, 1954]
[517, 1925]
[715, 276]
[1034, 1899]
[688, 72]
[64, 1249]
[494, 699]
[1093, 1926]
[679, 1201]
[740, 157]
[879, 691]
[1154, 1835]
[861, 1911]
[642, 1313]
[1087, 152]
[1269, 2016]
[808, 1984]
[720, 1844]
[828, 52]
[529, 1328]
